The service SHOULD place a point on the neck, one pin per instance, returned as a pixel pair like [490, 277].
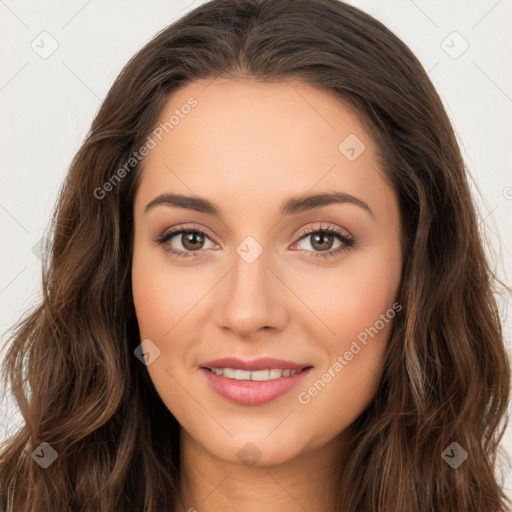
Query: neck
[307, 482]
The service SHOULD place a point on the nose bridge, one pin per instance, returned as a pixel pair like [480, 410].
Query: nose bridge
[249, 282]
[250, 297]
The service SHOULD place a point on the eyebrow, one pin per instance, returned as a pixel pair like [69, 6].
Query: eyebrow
[291, 206]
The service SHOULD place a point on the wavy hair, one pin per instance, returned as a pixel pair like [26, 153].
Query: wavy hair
[70, 362]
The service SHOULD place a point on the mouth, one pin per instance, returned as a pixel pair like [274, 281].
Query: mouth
[253, 382]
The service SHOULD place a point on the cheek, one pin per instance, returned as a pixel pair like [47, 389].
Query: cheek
[156, 302]
[353, 297]
[358, 306]
[149, 296]
[167, 300]
[162, 297]
[161, 294]
[160, 301]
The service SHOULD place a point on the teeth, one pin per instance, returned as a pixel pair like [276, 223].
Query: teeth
[262, 375]
[242, 375]
[275, 374]
[229, 373]
[258, 375]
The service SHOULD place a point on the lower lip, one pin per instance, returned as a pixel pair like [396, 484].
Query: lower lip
[248, 392]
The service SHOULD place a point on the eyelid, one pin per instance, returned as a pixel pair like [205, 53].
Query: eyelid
[328, 228]
[187, 226]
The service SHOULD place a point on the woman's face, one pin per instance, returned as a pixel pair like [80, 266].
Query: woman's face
[256, 279]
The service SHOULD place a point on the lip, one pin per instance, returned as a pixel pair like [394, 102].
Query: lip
[263, 363]
[247, 392]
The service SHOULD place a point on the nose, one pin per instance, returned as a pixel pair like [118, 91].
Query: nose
[251, 298]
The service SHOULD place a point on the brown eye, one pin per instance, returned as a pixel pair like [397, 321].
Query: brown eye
[192, 240]
[322, 241]
[184, 242]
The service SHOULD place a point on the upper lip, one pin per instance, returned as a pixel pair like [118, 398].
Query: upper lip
[263, 363]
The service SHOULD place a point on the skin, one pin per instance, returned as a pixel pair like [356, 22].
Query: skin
[249, 146]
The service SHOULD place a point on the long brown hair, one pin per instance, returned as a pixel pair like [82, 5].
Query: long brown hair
[70, 363]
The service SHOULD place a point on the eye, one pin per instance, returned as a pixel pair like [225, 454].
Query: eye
[322, 239]
[190, 238]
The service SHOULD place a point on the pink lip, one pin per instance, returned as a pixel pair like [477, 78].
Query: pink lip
[247, 392]
[262, 363]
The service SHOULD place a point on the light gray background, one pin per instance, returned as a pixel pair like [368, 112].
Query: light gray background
[48, 105]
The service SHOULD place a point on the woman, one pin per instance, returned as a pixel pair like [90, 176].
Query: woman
[266, 285]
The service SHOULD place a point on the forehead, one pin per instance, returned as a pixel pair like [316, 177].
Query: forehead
[255, 141]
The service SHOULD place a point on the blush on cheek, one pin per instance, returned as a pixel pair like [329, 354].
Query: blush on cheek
[356, 313]
[362, 321]
[155, 309]
[364, 349]
[156, 294]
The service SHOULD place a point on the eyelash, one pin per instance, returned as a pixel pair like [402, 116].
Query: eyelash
[347, 242]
